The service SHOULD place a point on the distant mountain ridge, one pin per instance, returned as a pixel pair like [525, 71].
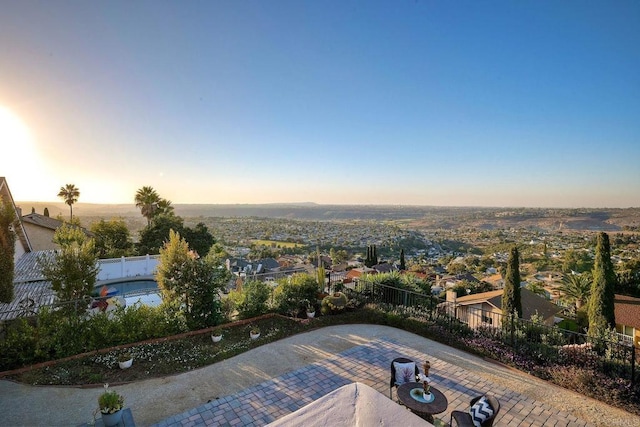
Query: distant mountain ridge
[425, 216]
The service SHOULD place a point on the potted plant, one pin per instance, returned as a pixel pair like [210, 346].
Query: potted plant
[216, 335]
[111, 404]
[309, 308]
[125, 360]
[254, 332]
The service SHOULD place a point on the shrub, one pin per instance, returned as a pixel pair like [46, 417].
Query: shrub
[253, 299]
[57, 334]
[334, 303]
[288, 295]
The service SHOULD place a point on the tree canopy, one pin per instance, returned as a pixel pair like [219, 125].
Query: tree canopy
[191, 282]
[73, 270]
[112, 238]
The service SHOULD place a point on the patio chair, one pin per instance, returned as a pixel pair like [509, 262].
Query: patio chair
[402, 372]
[480, 412]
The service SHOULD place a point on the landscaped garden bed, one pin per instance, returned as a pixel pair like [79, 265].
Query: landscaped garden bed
[168, 356]
[161, 357]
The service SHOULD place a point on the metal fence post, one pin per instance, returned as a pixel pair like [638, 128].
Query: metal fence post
[633, 364]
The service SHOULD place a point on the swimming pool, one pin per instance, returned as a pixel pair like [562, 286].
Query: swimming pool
[144, 291]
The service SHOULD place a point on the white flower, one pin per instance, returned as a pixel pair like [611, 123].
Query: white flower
[424, 378]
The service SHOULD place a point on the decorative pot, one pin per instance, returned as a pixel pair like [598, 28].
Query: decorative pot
[111, 420]
[216, 338]
[311, 314]
[126, 364]
[254, 336]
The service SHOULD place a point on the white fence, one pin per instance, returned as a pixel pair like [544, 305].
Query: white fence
[117, 268]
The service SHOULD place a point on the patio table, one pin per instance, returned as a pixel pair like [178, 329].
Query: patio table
[425, 408]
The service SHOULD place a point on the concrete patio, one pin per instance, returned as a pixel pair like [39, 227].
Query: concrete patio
[258, 387]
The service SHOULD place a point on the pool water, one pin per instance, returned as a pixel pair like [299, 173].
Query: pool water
[144, 291]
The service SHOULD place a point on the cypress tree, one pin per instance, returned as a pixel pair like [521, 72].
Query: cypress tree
[372, 256]
[601, 308]
[511, 301]
[7, 250]
[367, 260]
[46, 212]
[403, 266]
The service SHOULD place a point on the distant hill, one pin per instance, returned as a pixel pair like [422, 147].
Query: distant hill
[414, 216]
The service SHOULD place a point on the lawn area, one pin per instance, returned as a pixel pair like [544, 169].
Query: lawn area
[277, 243]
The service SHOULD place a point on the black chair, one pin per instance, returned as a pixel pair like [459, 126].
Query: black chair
[392, 381]
[463, 419]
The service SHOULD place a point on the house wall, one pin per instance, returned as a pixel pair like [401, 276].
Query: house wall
[41, 238]
[476, 315]
[19, 250]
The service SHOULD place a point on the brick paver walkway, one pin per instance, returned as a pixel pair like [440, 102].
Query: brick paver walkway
[368, 364]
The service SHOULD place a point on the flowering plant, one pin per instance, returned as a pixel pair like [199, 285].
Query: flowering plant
[423, 378]
[110, 401]
[125, 357]
[426, 381]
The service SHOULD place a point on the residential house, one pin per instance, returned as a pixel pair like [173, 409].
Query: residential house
[384, 267]
[354, 274]
[239, 266]
[627, 311]
[448, 282]
[485, 309]
[495, 280]
[41, 230]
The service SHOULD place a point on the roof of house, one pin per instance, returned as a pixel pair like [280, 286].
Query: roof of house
[627, 311]
[417, 274]
[42, 221]
[460, 277]
[28, 269]
[494, 279]
[30, 289]
[476, 298]
[384, 267]
[268, 263]
[531, 303]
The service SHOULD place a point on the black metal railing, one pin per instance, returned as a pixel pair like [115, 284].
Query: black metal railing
[534, 339]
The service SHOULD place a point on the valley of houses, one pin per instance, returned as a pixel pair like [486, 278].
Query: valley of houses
[34, 235]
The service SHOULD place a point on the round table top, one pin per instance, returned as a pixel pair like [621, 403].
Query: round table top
[438, 405]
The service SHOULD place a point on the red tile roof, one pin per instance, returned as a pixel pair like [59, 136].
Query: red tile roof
[627, 310]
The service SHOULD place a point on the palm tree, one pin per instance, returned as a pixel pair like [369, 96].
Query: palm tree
[147, 199]
[69, 193]
[537, 288]
[576, 288]
[164, 207]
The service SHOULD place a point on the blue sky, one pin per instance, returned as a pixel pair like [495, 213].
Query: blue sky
[447, 103]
